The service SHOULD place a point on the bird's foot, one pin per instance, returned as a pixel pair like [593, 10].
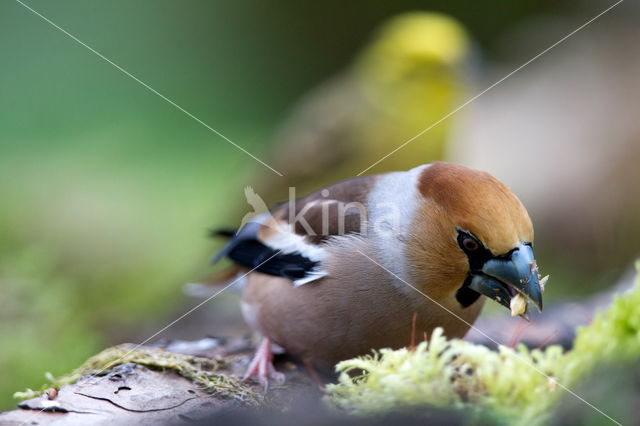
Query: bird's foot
[313, 373]
[261, 366]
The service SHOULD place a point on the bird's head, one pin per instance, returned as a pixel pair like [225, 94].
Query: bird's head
[416, 55]
[473, 237]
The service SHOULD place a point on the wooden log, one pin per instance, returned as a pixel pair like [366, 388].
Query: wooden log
[150, 387]
[157, 388]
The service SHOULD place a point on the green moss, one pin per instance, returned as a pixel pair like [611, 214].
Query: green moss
[450, 373]
[515, 386]
[201, 371]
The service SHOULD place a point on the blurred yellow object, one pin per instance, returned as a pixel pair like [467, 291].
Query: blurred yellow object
[409, 77]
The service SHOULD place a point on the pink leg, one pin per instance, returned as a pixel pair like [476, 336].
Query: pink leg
[314, 374]
[261, 366]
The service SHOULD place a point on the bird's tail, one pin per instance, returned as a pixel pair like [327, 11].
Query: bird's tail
[225, 233]
[212, 284]
[231, 277]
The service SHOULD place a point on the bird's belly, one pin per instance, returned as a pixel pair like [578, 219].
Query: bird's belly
[328, 321]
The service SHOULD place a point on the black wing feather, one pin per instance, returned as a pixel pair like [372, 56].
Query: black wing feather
[246, 250]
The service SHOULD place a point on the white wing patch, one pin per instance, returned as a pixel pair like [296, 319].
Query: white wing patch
[312, 275]
[287, 241]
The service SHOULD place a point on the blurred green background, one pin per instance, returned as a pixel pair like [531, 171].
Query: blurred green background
[108, 191]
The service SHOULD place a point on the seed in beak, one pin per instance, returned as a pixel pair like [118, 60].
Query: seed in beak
[518, 305]
[543, 282]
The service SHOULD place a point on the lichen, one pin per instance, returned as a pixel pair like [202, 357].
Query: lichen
[201, 371]
[515, 386]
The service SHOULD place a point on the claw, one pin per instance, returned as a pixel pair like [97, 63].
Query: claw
[261, 366]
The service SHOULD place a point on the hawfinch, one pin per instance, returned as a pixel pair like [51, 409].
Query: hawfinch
[412, 73]
[345, 269]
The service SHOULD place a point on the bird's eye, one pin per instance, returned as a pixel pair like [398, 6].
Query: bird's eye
[474, 249]
[470, 244]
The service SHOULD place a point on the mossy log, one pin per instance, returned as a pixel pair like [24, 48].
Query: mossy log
[178, 382]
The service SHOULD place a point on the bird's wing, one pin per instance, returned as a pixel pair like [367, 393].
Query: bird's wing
[317, 132]
[291, 240]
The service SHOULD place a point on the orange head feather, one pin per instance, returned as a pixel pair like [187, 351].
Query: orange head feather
[468, 226]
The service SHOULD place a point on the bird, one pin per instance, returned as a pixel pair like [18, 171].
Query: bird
[410, 76]
[345, 269]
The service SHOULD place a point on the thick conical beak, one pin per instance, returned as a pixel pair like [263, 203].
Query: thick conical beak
[502, 278]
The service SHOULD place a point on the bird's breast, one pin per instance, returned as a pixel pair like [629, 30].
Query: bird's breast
[358, 307]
